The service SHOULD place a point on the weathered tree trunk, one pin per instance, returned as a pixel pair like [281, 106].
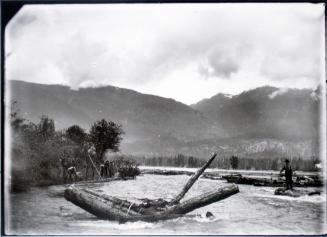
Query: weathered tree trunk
[103, 180]
[107, 207]
[192, 180]
[204, 199]
[167, 172]
[96, 205]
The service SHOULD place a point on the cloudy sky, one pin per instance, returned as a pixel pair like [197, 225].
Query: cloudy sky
[182, 51]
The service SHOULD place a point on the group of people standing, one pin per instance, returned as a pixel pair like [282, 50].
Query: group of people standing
[107, 169]
[69, 172]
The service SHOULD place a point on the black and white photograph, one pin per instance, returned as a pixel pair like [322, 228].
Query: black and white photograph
[164, 119]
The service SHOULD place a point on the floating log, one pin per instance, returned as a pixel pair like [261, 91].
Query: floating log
[205, 175]
[295, 192]
[192, 180]
[314, 193]
[287, 192]
[298, 181]
[211, 176]
[166, 172]
[112, 208]
[104, 180]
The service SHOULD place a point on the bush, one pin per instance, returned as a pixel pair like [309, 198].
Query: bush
[126, 167]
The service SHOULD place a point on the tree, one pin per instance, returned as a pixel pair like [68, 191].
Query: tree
[105, 135]
[76, 134]
[274, 165]
[234, 162]
[16, 121]
[46, 127]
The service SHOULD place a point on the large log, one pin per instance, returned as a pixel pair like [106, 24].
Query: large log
[104, 180]
[204, 199]
[192, 180]
[166, 172]
[98, 206]
[112, 208]
[271, 181]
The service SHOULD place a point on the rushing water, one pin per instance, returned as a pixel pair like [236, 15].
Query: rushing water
[254, 210]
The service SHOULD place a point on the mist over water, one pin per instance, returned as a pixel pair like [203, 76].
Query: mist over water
[254, 210]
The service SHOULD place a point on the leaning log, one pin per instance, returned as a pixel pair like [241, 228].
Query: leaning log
[192, 180]
[111, 208]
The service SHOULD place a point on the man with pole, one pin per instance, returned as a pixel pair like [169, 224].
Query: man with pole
[92, 153]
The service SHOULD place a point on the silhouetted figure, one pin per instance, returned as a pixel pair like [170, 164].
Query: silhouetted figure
[105, 169]
[91, 153]
[72, 174]
[64, 166]
[288, 174]
[111, 168]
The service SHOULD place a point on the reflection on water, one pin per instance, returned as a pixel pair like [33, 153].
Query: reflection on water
[255, 210]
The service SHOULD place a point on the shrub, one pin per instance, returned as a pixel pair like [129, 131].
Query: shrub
[126, 167]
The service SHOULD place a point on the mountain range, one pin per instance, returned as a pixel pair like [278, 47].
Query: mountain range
[266, 112]
[265, 118]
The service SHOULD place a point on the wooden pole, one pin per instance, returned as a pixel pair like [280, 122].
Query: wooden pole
[192, 180]
[94, 166]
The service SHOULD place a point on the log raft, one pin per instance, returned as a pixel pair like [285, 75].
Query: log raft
[111, 208]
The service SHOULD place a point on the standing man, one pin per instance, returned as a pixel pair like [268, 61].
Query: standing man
[85, 153]
[64, 167]
[107, 166]
[288, 174]
[72, 174]
[92, 153]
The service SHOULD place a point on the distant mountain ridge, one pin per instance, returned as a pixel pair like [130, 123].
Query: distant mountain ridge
[156, 125]
[144, 117]
[266, 112]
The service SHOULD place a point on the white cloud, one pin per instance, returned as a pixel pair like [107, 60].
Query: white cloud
[183, 51]
[279, 92]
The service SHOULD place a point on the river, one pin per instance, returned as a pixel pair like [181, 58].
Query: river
[254, 210]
